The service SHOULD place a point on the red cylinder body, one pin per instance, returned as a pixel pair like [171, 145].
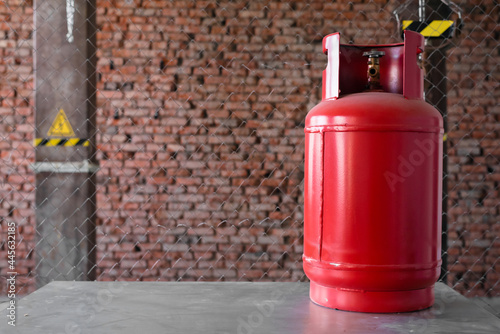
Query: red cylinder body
[373, 168]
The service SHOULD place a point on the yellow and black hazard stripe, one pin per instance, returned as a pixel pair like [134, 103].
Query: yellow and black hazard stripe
[432, 29]
[61, 142]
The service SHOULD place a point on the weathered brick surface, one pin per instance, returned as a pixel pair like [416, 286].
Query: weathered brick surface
[474, 154]
[17, 182]
[210, 188]
[200, 135]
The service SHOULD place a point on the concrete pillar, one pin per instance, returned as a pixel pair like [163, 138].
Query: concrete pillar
[65, 168]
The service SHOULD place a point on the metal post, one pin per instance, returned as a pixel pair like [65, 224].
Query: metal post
[436, 95]
[436, 91]
[65, 127]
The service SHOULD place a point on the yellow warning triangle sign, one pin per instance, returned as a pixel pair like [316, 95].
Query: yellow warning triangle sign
[61, 126]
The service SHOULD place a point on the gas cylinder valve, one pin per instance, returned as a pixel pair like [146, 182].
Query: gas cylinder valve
[373, 69]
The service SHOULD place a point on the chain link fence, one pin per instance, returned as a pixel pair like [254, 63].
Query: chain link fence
[198, 137]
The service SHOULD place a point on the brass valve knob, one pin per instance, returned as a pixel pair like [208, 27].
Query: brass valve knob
[373, 72]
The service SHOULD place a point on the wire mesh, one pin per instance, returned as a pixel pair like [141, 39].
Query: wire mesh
[199, 137]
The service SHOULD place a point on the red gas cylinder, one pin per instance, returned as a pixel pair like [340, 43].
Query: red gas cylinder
[373, 166]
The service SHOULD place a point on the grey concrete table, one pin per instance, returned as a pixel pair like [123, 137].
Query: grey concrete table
[178, 307]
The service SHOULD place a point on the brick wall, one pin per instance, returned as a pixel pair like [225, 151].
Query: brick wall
[200, 135]
[474, 153]
[17, 181]
[210, 186]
